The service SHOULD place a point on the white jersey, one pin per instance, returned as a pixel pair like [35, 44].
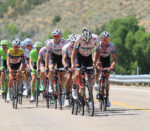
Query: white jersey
[85, 48]
[67, 49]
[56, 48]
[110, 49]
[43, 52]
[26, 55]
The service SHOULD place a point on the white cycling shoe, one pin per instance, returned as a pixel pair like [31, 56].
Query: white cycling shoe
[74, 94]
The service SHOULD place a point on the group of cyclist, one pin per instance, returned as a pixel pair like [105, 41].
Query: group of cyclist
[85, 49]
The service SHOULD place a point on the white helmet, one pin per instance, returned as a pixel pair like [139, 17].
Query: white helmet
[28, 41]
[72, 38]
[86, 34]
[16, 42]
[46, 42]
[104, 34]
[56, 32]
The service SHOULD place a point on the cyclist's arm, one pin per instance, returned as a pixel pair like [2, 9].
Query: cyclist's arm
[46, 59]
[38, 62]
[96, 56]
[22, 63]
[30, 63]
[64, 59]
[8, 63]
[73, 54]
[114, 61]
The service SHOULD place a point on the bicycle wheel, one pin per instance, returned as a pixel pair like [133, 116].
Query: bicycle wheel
[81, 106]
[54, 94]
[58, 87]
[89, 102]
[102, 97]
[15, 96]
[37, 91]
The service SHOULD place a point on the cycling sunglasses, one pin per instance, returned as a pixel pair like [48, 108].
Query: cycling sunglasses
[28, 45]
[56, 36]
[105, 39]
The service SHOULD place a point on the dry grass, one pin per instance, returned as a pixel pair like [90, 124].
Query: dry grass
[75, 14]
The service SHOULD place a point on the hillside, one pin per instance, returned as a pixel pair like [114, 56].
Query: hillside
[75, 14]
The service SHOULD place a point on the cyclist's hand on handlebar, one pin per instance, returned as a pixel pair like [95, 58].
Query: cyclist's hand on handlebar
[73, 68]
[110, 68]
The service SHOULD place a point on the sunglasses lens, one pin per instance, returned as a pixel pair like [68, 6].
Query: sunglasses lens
[56, 36]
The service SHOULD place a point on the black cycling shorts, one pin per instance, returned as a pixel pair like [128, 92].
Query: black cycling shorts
[56, 59]
[3, 64]
[84, 61]
[105, 61]
[34, 65]
[15, 66]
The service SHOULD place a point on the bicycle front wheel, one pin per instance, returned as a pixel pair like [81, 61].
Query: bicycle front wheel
[89, 102]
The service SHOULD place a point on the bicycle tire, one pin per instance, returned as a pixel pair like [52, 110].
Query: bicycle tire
[59, 94]
[16, 94]
[37, 92]
[90, 100]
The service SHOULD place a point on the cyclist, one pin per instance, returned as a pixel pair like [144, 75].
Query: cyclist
[66, 55]
[15, 61]
[33, 61]
[41, 63]
[54, 56]
[28, 43]
[103, 52]
[82, 55]
[3, 56]
[26, 67]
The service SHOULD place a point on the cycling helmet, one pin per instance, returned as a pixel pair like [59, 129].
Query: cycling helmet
[47, 41]
[56, 32]
[4, 42]
[23, 45]
[104, 34]
[38, 44]
[16, 42]
[72, 38]
[86, 34]
[28, 41]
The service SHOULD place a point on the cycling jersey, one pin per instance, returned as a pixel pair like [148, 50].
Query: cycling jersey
[3, 55]
[56, 48]
[110, 49]
[15, 58]
[67, 49]
[34, 55]
[85, 49]
[43, 52]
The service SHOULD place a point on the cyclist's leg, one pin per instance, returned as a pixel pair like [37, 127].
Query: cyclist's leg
[33, 83]
[42, 76]
[51, 63]
[61, 73]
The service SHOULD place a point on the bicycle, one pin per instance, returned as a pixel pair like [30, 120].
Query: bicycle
[102, 95]
[16, 93]
[5, 85]
[56, 94]
[85, 95]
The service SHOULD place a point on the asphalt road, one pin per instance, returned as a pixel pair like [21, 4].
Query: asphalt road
[130, 111]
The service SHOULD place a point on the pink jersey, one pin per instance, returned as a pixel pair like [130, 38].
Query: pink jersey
[85, 48]
[56, 48]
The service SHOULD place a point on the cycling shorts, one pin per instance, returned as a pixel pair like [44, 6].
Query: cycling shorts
[15, 66]
[105, 61]
[56, 59]
[84, 61]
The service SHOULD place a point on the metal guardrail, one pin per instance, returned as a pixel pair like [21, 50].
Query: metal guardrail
[130, 78]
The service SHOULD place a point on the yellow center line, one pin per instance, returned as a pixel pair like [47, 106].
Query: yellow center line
[128, 106]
